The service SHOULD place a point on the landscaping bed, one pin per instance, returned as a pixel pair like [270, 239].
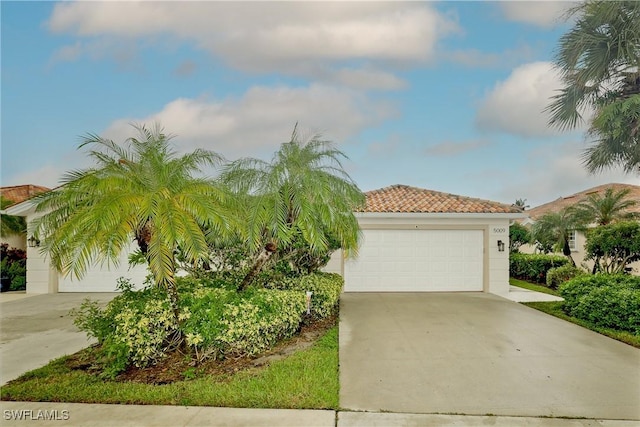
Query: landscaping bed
[299, 373]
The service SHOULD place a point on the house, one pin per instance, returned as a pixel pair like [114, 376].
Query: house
[17, 194]
[413, 240]
[43, 278]
[419, 240]
[577, 239]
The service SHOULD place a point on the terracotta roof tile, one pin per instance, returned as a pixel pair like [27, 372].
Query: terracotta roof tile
[20, 193]
[564, 202]
[406, 199]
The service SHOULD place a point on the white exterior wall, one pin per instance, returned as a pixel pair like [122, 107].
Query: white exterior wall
[494, 227]
[18, 241]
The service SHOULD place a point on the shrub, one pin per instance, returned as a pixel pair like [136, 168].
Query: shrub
[558, 275]
[216, 321]
[534, 267]
[326, 288]
[134, 328]
[614, 246]
[611, 301]
[13, 265]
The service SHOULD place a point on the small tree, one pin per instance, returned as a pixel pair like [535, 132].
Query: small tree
[557, 227]
[140, 191]
[613, 247]
[518, 235]
[302, 200]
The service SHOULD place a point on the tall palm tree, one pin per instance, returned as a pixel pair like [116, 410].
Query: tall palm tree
[10, 224]
[141, 190]
[303, 192]
[599, 59]
[604, 209]
[557, 226]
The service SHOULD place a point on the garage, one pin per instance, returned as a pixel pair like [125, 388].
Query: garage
[417, 261]
[419, 240]
[103, 278]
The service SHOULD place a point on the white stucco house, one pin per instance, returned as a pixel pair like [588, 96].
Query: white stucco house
[414, 240]
[577, 239]
[418, 240]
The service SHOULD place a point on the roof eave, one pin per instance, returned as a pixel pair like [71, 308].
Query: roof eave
[409, 215]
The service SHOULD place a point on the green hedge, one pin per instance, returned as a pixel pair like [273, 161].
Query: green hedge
[558, 275]
[138, 327]
[534, 267]
[611, 301]
[326, 288]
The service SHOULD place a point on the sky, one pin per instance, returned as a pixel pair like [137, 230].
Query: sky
[447, 96]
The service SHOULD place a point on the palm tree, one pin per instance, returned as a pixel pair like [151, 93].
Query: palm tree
[604, 209]
[302, 193]
[557, 227]
[140, 190]
[10, 224]
[599, 59]
[522, 204]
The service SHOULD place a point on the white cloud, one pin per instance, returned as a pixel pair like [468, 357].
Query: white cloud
[544, 14]
[516, 105]
[292, 37]
[555, 170]
[47, 176]
[453, 148]
[256, 123]
[475, 58]
[363, 78]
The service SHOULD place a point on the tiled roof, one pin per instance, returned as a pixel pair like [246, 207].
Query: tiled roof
[406, 199]
[564, 202]
[20, 193]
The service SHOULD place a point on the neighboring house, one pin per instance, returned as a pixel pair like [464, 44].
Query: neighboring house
[18, 194]
[43, 278]
[577, 239]
[418, 240]
[414, 240]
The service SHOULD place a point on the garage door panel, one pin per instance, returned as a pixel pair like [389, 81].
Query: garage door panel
[417, 260]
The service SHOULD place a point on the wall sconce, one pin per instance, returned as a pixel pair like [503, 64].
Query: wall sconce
[33, 242]
[500, 246]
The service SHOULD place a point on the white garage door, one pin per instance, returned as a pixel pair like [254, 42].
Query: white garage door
[417, 261]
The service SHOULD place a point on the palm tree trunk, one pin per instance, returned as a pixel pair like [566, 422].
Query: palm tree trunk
[259, 262]
[566, 250]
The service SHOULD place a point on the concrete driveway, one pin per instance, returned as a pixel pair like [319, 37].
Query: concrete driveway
[476, 353]
[38, 328]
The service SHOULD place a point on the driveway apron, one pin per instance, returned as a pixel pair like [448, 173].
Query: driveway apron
[478, 354]
[38, 328]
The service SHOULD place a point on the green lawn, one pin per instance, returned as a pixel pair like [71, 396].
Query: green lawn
[554, 308]
[533, 287]
[307, 379]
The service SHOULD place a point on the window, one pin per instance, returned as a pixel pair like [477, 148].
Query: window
[572, 240]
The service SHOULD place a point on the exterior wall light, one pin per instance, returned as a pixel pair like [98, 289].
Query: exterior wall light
[33, 242]
[500, 246]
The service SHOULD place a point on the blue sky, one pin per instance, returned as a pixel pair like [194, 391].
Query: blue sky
[440, 95]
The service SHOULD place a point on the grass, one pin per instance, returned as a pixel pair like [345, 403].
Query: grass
[554, 308]
[532, 287]
[307, 379]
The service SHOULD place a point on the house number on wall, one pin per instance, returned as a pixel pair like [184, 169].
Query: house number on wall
[500, 230]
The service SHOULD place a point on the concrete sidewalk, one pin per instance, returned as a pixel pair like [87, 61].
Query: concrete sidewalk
[78, 414]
